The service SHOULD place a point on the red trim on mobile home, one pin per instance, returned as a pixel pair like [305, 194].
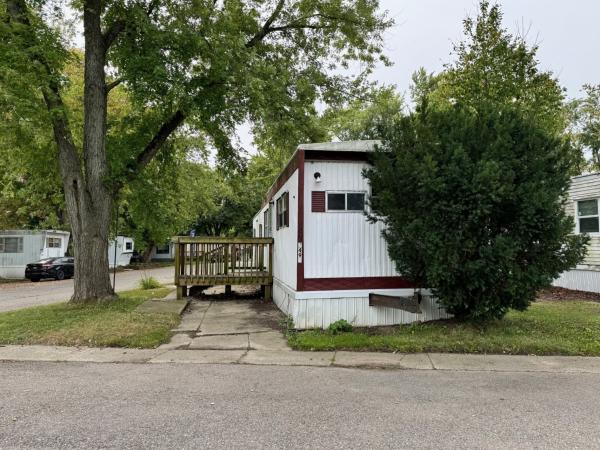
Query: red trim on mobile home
[284, 175]
[300, 245]
[341, 284]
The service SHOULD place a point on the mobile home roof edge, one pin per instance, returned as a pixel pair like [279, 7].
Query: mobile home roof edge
[359, 146]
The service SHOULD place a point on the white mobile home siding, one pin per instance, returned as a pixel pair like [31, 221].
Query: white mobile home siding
[586, 187]
[35, 247]
[123, 254]
[586, 277]
[341, 244]
[286, 238]
[329, 306]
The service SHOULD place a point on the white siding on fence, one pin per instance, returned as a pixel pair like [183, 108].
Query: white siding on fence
[341, 244]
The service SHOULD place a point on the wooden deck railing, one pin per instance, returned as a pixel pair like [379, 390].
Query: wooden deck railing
[211, 261]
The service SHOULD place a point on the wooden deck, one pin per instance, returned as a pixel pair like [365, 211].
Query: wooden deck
[206, 261]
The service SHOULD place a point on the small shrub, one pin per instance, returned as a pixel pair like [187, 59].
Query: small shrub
[340, 326]
[149, 283]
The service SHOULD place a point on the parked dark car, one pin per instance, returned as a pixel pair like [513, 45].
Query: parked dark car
[57, 268]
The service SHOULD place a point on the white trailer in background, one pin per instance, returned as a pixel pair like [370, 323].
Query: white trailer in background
[124, 251]
[164, 252]
[583, 205]
[21, 247]
[329, 262]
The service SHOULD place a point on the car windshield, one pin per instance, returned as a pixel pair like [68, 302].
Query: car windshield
[45, 261]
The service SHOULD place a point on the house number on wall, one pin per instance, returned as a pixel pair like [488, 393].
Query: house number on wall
[299, 252]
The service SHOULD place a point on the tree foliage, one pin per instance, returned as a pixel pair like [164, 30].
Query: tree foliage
[585, 124]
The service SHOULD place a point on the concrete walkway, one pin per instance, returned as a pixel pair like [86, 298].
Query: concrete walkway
[249, 332]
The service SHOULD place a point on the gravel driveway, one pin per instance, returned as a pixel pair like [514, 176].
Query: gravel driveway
[22, 295]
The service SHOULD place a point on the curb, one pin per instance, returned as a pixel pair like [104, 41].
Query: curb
[340, 359]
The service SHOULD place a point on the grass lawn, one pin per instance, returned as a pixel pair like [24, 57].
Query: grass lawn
[547, 328]
[114, 324]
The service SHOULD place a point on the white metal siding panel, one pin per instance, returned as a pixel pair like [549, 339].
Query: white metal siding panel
[283, 297]
[286, 239]
[341, 244]
[321, 312]
[579, 280]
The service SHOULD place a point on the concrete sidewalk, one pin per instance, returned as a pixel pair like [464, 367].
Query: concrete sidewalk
[249, 332]
[416, 361]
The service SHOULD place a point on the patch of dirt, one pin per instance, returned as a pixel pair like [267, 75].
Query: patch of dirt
[558, 294]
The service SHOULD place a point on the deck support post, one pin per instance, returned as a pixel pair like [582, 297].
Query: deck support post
[268, 289]
[181, 292]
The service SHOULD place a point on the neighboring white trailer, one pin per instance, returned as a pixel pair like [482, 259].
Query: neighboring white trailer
[124, 252]
[164, 252]
[21, 247]
[583, 205]
[328, 260]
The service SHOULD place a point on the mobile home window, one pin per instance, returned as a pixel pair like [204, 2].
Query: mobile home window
[345, 201]
[11, 245]
[54, 242]
[162, 250]
[128, 246]
[282, 206]
[267, 221]
[587, 216]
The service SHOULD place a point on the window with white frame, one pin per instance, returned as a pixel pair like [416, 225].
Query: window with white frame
[587, 216]
[54, 242]
[346, 201]
[11, 245]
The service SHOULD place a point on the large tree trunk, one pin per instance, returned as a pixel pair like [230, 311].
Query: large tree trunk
[90, 204]
[85, 174]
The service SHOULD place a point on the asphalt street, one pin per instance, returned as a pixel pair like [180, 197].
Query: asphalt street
[25, 294]
[90, 405]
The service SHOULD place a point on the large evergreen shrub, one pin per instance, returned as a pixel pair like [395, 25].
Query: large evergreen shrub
[473, 202]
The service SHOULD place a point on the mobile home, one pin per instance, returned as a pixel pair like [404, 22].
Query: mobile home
[328, 260]
[124, 251]
[582, 205]
[21, 247]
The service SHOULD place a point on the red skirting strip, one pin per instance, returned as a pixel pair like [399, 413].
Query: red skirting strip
[341, 284]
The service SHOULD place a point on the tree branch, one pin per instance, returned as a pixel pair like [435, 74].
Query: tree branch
[111, 34]
[266, 28]
[156, 143]
[113, 84]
